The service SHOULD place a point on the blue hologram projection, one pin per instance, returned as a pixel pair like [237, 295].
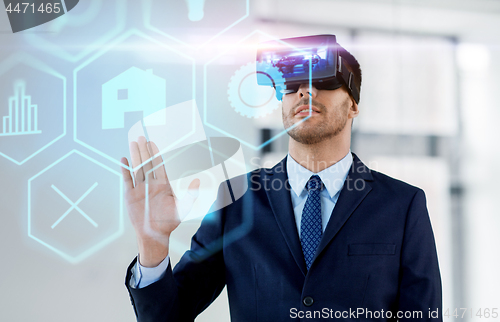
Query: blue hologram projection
[47, 89]
[75, 229]
[192, 23]
[74, 205]
[132, 91]
[241, 104]
[196, 9]
[23, 116]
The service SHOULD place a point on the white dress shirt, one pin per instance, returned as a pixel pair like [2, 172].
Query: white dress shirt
[333, 179]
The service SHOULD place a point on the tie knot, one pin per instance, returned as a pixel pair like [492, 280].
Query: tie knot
[314, 183]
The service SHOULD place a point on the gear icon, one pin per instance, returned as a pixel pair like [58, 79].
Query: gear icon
[245, 95]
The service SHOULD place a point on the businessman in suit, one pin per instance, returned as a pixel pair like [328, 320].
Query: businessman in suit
[318, 236]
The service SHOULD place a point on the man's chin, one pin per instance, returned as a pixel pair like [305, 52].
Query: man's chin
[305, 126]
[306, 136]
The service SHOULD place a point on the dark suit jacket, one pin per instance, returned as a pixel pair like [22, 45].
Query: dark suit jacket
[377, 253]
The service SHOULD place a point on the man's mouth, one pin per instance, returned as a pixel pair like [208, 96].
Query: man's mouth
[306, 110]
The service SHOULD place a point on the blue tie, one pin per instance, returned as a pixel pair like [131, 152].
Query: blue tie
[310, 224]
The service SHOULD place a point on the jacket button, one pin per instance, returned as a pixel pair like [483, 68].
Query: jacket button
[308, 301]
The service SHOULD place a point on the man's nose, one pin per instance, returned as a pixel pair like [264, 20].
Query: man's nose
[305, 89]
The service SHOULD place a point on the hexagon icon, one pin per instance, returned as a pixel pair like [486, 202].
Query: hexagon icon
[234, 73]
[75, 206]
[194, 23]
[133, 77]
[74, 35]
[32, 107]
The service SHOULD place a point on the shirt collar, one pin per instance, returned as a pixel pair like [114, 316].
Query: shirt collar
[333, 177]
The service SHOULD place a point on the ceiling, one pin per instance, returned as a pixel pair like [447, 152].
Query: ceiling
[490, 6]
[466, 20]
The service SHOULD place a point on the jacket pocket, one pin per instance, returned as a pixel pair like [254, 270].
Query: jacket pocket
[371, 249]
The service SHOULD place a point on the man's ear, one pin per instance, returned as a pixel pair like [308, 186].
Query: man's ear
[353, 109]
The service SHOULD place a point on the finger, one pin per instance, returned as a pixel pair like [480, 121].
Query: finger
[194, 188]
[127, 178]
[144, 151]
[135, 156]
[160, 173]
[151, 173]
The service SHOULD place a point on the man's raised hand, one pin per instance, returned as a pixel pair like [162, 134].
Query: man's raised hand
[152, 205]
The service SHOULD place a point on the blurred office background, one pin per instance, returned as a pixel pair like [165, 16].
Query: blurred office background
[428, 116]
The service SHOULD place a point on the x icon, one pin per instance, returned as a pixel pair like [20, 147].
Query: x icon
[74, 205]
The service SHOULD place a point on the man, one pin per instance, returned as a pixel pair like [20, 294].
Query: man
[334, 240]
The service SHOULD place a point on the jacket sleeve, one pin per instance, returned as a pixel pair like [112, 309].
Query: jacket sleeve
[195, 282]
[420, 280]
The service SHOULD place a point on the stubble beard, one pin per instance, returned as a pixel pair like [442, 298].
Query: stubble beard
[307, 133]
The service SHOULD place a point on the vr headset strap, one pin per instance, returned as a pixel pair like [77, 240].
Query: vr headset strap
[348, 78]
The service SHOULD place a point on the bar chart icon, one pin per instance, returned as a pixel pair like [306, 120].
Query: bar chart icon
[23, 115]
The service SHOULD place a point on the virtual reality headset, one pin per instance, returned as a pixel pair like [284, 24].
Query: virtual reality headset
[287, 63]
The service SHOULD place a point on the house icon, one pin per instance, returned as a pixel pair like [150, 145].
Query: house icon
[133, 90]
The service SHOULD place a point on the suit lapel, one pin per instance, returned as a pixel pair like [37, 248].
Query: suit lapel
[355, 189]
[353, 192]
[281, 205]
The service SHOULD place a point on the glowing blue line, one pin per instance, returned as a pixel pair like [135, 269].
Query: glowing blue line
[74, 206]
[96, 247]
[28, 60]
[211, 152]
[310, 85]
[205, 99]
[230, 26]
[120, 39]
[147, 7]
[61, 52]
[146, 175]
[63, 2]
